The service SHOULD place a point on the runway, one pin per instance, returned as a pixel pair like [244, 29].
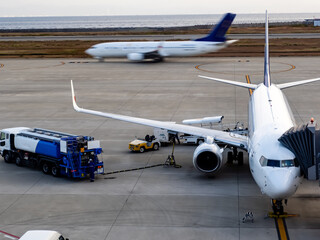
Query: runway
[156, 203]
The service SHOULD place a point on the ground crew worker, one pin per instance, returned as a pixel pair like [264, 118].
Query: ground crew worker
[91, 170]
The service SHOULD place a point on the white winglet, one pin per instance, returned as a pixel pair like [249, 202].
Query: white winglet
[75, 106]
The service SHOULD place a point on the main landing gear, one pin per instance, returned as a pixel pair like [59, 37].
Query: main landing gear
[234, 155]
[278, 209]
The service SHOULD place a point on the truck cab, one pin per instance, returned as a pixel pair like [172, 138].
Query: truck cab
[7, 142]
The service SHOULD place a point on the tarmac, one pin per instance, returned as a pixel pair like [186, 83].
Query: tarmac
[156, 203]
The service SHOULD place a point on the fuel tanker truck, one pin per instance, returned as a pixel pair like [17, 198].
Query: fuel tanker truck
[54, 152]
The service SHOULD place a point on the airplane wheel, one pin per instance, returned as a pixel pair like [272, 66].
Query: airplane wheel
[141, 149]
[240, 158]
[230, 157]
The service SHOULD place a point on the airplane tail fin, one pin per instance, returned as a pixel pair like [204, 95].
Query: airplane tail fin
[267, 78]
[219, 32]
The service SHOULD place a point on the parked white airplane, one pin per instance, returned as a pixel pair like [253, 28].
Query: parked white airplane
[273, 166]
[140, 51]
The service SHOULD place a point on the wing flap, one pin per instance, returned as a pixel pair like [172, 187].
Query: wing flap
[225, 137]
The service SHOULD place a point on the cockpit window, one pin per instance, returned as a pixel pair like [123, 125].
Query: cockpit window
[287, 163]
[277, 163]
[263, 161]
[273, 163]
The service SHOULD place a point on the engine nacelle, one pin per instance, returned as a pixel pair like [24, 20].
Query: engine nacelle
[207, 158]
[135, 57]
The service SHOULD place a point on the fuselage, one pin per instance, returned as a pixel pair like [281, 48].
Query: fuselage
[165, 49]
[272, 165]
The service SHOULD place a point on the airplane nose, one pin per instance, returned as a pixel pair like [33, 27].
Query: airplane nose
[281, 183]
[88, 51]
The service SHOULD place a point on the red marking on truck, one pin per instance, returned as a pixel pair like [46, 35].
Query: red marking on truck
[8, 234]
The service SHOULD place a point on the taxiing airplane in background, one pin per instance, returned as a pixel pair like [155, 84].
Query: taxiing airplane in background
[272, 165]
[157, 51]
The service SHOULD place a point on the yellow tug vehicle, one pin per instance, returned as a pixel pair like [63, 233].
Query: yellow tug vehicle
[140, 145]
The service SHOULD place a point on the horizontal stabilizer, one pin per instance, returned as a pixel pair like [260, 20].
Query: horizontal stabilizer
[238, 84]
[297, 83]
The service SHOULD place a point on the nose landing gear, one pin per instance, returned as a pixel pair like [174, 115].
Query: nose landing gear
[279, 217]
[277, 207]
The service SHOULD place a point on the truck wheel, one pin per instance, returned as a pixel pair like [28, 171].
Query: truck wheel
[7, 157]
[55, 171]
[200, 141]
[141, 149]
[156, 146]
[45, 168]
[18, 161]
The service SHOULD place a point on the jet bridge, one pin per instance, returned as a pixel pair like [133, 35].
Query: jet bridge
[304, 142]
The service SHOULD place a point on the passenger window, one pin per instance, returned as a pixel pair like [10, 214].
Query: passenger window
[3, 135]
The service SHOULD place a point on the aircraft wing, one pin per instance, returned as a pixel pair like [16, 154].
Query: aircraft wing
[236, 140]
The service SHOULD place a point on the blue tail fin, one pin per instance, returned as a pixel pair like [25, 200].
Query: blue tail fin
[267, 78]
[219, 32]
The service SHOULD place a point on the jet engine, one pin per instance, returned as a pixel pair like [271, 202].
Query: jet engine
[135, 57]
[207, 158]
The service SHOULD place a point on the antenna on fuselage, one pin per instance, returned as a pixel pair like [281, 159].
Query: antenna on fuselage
[267, 78]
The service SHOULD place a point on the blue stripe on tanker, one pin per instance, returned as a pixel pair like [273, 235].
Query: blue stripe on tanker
[51, 149]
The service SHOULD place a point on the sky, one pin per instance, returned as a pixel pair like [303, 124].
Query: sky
[21, 8]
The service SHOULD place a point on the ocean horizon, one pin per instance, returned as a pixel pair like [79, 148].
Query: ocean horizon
[130, 21]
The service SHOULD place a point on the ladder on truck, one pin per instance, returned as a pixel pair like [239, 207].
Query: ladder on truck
[73, 156]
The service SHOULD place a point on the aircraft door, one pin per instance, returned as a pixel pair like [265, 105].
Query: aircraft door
[160, 49]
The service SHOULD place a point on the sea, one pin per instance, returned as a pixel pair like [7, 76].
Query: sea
[96, 22]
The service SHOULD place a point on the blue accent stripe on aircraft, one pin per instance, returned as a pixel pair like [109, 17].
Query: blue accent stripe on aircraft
[267, 78]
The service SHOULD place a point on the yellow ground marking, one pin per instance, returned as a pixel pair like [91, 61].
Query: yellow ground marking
[200, 68]
[282, 229]
[248, 81]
